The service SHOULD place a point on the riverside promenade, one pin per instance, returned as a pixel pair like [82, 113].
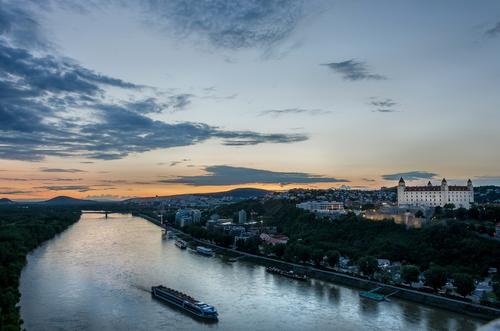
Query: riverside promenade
[463, 307]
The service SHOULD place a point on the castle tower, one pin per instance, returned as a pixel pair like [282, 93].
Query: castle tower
[471, 191]
[444, 191]
[401, 192]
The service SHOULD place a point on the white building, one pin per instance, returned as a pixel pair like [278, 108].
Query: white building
[322, 206]
[433, 196]
[242, 217]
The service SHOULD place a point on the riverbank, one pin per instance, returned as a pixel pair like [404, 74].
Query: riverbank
[23, 230]
[462, 307]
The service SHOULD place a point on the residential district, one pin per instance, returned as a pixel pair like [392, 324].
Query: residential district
[247, 222]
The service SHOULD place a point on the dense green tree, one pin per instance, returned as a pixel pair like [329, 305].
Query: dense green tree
[279, 250]
[317, 256]
[21, 230]
[410, 273]
[333, 258]
[368, 265]
[464, 284]
[419, 214]
[435, 277]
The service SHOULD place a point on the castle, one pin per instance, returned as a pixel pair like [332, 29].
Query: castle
[433, 196]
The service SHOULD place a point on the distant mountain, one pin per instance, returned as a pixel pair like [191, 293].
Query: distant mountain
[5, 201]
[64, 200]
[240, 193]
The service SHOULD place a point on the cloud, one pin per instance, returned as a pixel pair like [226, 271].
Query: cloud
[353, 70]
[494, 31]
[294, 111]
[410, 175]
[61, 170]
[79, 188]
[14, 192]
[368, 180]
[228, 175]
[51, 106]
[228, 24]
[383, 106]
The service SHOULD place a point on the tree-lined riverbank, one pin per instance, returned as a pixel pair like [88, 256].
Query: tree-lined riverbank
[22, 229]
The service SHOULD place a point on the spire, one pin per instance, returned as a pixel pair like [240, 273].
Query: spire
[469, 182]
[429, 183]
[401, 180]
[443, 181]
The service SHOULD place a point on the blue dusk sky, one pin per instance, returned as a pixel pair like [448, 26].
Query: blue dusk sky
[122, 98]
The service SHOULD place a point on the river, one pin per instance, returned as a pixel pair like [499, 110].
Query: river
[97, 275]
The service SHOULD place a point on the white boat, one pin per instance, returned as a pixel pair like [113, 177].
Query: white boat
[204, 251]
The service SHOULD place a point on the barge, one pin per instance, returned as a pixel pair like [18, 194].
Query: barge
[285, 273]
[185, 302]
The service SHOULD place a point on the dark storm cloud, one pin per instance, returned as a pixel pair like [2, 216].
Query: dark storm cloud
[61, 170]
[50, 106]
[229, 24]
[353, 70]
[410, 175]
[494, 31]
[228, 175]
[294, 111]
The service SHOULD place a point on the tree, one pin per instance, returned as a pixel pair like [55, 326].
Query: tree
[496, 288]
[279, 250]
[419, 214]
[464, 284]
[449, 206]
[333, 258]
[368, 265]
[435, 277]
[410, 273]
[317, 256]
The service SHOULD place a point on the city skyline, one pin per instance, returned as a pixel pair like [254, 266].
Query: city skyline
[129, 98]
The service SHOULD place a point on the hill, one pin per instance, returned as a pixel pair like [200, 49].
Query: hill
[5, 201]
[240, 193]
[65, 200]
[237, 194]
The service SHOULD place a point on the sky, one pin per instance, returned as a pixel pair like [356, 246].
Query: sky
[125, 98]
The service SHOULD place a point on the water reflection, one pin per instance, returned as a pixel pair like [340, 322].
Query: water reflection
[98, 275]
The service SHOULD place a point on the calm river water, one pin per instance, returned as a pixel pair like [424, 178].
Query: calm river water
[97, 276]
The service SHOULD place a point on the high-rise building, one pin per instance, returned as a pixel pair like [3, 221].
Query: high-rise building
[242, 217]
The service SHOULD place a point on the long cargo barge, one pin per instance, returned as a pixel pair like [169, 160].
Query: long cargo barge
[185, 302]
[285, 273]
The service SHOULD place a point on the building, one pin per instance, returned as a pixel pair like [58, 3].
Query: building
[187, 216]
[242, 217]
[322, 207]
[273, 239]
[435, 195]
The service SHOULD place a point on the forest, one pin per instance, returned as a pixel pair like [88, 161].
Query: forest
[452, 243]
[22, 229]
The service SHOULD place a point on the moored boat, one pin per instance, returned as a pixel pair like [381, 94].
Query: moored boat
[185, 302]
[181, 244]
[286, 273]
[204, 251]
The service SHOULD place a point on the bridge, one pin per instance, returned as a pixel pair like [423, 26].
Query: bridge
[105, 212]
